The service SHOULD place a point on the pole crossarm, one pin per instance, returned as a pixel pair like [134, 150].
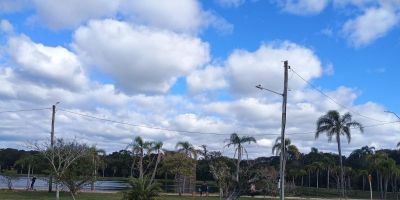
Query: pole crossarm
[262, 88]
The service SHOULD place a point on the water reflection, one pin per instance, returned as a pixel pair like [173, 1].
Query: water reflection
[42, 184]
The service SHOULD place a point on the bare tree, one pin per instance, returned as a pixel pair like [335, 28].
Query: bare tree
[61, 157]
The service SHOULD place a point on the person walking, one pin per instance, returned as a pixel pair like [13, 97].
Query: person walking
[203, 188]
[33, 182]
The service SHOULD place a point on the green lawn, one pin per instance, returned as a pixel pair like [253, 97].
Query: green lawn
[23, 195]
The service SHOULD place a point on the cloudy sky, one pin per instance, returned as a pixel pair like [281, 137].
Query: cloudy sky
[186, 69]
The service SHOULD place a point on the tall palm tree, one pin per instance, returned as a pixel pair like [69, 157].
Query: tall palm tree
[95, 153]
[138, 147]
[189, 150]
[292, 152]
[186, 148]
[335, 125]
[157, 146]
[237, 142]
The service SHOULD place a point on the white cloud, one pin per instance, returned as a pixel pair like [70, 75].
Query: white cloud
[209, 78]
[10, 6]
[47, 65]
[177, 15]
[264, 66]
[60, 14]
[373, 24]
[6, 26]
[303, 7]
[329, 70]
[139, 59]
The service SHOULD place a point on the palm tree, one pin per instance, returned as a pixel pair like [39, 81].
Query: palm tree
[186, 148]
[292, 152]
[189, 150]
[364, 174]
[138, 147]
[157, 146]
[237, 143]
[335, 125]
[317, 166]
[327, 164]
[95, 153]
[27, 160]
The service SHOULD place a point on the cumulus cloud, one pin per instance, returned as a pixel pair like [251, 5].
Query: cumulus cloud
[207, 79]
[52, 65]
[138, 58]
[264, 66]
[303, 7]
[6, 26]
[178, 15]
[371, 25]
[60, 14]
[9, 6]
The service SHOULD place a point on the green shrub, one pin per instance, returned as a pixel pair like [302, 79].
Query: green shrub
[141, 189]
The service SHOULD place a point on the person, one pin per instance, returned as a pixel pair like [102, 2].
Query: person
[203, 188]
[252, 189]
[33, 182]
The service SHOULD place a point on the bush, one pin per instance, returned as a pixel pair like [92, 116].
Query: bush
[141, 189]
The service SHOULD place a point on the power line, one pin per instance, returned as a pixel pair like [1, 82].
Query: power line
[199, 132]
[24, 110]
[333, 100]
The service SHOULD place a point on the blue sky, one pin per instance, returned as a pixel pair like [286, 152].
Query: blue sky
[192, 65]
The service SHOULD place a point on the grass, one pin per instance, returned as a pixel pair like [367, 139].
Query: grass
[24, 195]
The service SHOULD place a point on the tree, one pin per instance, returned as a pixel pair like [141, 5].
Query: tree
[317, 166]
[96, 154]
[237, 142]
[61, 156]
[335, 125]
[8, 177]
[138, 147]
[28, 161]
[180, 165]
[188, 149]
[157, 146]
[292, 152]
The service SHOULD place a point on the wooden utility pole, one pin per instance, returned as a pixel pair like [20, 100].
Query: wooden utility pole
[53, 116]
[283, 145]
[281, 183]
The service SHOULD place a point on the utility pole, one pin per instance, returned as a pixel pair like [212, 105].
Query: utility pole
[283, 145]
[53, 117]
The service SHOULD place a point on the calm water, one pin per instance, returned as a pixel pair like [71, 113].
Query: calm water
[42, 184]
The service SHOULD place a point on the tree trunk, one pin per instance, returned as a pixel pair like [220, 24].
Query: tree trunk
[341, 165]
[57, 191]
[363, 182]
[302, 177]
[155, 168]
[238, 163]
[141, 165]
[29, 174]
[317, 179]
[327, 184]
[309, 179]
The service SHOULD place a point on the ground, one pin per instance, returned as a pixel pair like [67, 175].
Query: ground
[23, 195]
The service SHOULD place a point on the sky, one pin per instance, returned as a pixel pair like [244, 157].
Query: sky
[186, 70]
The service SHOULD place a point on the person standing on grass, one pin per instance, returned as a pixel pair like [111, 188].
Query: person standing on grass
[33, 182]
[203, 188]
